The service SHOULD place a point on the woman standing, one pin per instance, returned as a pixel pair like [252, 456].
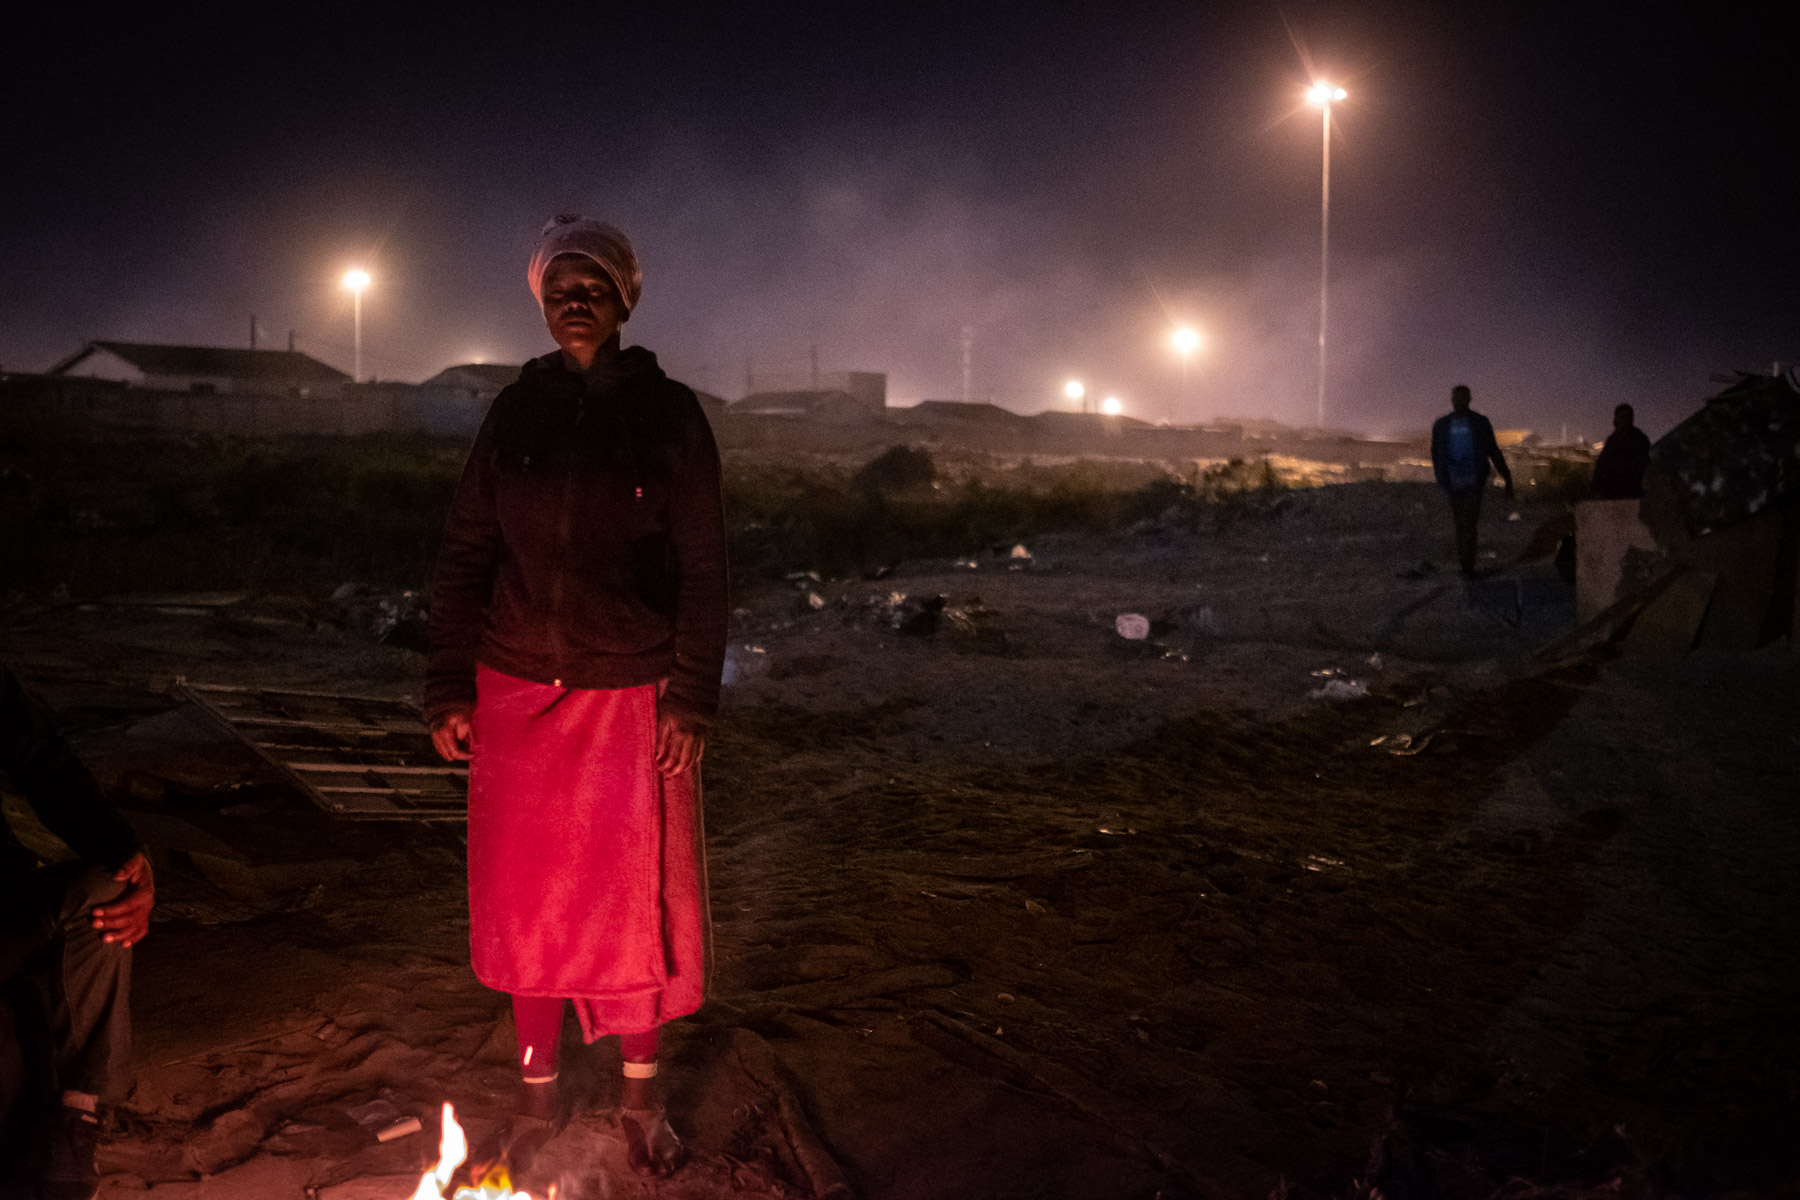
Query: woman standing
[577, 637]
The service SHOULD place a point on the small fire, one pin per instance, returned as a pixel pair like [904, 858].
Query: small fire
[453, 1148]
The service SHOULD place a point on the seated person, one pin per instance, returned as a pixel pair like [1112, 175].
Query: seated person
[66, 933]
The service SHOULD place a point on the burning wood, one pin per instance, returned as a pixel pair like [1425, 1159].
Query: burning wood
[453, 1148]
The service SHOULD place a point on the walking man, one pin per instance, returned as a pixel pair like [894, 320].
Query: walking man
[1462, 446]
[66, 933]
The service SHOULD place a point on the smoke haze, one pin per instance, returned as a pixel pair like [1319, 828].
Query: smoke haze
[1069, 185]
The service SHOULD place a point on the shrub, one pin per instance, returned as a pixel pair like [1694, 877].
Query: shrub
[896, 469]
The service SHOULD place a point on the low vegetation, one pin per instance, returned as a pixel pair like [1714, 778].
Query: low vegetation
[301, 516]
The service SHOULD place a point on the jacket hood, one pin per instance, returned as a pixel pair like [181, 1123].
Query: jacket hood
[632, 365]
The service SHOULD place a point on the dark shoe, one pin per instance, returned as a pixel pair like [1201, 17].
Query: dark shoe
[524, 1138]
[72, 1174]
[538, 1120]
[651, 1147]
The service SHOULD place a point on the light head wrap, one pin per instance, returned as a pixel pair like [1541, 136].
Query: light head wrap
[566, 234]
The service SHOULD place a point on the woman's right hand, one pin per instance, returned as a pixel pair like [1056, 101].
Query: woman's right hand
[451, 735]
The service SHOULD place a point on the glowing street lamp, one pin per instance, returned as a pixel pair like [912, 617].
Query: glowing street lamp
[1185, 341]
[356, 279]
[1111, 406]
[1075, 391]
[1323, 95]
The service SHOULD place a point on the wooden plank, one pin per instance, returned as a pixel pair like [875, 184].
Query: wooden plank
[354, 726]
[301, 723]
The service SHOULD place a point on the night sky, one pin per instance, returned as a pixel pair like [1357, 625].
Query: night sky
[1563, 211]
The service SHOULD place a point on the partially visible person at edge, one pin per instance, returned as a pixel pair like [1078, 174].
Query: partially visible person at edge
[1462, 446]
[1619, 471]
[577, 638]
[66, 933]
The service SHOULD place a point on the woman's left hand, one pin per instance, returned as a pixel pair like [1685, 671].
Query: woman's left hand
[679, 743]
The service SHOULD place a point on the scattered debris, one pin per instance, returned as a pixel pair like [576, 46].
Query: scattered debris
[979, 626]
[1198, 621]
[399, 1129]
[918, 617]
[391, 618]
[1340, 689]
[743, 662]
[379, 1111]
[1134, 627]
[915, 616]
[1407, 744]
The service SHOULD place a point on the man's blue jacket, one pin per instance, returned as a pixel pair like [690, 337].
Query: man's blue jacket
[1486, 448]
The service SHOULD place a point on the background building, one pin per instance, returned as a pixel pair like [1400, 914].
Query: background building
[205, 370]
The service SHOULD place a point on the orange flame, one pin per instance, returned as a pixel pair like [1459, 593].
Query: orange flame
[453, 1148]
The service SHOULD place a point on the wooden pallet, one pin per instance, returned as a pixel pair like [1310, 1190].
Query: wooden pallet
[354, 756]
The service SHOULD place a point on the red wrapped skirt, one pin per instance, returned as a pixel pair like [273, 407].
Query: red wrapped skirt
[587, 866]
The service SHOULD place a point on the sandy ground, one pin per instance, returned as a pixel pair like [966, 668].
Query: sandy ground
[1020, 908]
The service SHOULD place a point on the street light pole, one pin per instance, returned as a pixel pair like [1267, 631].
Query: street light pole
[356, 280]
[1322, 94]
[1324, 256]
[1185, 341]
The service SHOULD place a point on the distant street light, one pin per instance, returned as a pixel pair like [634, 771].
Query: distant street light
[1074, 391]
[356, 279]
[1323, 95]
[1111, 406]
[1185, 341]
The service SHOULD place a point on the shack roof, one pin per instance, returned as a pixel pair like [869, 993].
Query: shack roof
[1055, 417]
[492, 376]
[957, 412]
[1737, 455]
[287, 366]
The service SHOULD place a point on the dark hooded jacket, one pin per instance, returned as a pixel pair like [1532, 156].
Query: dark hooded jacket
[585, 546]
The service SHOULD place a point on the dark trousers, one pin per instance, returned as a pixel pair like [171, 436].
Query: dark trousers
[67, 990]
[1465, 513]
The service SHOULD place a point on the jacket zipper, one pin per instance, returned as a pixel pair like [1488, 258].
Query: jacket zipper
[564, 528]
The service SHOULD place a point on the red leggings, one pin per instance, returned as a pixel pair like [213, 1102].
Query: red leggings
[539, 1022]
